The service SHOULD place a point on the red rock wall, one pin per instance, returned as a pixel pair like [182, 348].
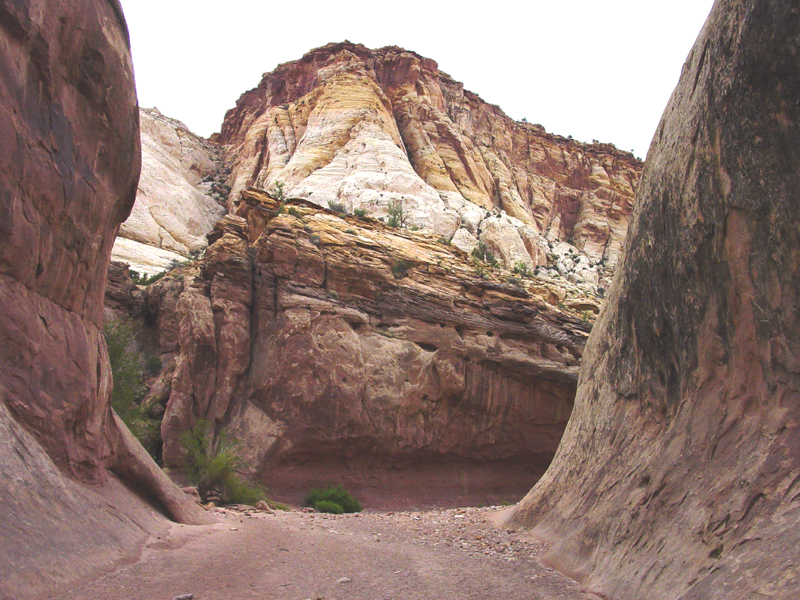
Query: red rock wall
[294, 334]
[678, 474]
[69, 164]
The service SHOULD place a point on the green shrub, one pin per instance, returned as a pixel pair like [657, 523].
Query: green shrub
[400, 268]
[126, 371]
[152, 364]
[294, 212]
[144, 278]
[520, 268]
[212, 467]
[314, 239]
[335, 494]
[336, 206]
[278, 192]
[444, 240]
[326, 506]
[360, 213]
[397, 214]
[482, 253]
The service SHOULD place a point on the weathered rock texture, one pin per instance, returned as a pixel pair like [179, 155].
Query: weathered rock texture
[69, 163]
[679, 472]
[179, 198]
[335, 348]
[363, 128]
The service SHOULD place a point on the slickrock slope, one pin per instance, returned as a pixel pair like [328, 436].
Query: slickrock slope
[69, 163]
[335, 348]
[679, 472]
[363, 128]
[179, 198]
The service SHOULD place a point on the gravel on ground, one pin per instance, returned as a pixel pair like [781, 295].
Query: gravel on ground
[298, 555]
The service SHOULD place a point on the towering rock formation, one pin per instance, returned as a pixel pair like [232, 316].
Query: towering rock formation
[363, 128]
[679, 472]
[69, 163]
[179, 198]
[335, 348]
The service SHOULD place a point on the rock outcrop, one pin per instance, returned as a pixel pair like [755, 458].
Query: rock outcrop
[363, 128]
[335, 348]
[179, 199]
[679, 473]
[69, 164]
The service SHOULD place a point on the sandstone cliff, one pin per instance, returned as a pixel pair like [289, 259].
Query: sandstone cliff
[181, 195]
[69, 164]
[678, 475]
[363, 128]
[335, 348]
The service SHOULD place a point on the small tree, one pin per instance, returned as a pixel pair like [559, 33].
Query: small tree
[398, 217]
[278, 192]
[212, 467]
[127, 365]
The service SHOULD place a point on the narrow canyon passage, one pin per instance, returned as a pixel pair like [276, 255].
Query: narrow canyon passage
[442, 554]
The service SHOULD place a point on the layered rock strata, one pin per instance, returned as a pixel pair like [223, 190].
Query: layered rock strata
[69, 164]
[679, 472]
[335, 348]
[363, 128]
[181, 195]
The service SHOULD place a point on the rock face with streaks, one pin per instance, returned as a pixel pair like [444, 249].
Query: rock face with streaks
[679, 473]
[335, 348]
[363, 128]
[69, 164]
[179, 198]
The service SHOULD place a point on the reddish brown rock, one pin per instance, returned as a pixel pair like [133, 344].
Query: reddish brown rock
[335, 348]
[678, 475]
[69, 163]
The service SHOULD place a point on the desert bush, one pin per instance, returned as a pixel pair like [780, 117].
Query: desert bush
[360, 213]
[278, 193]
[482, 253]
[397, 214]
[336, 206]
[212, 466]
[127, 365]
[326, 506]
[294, 212]
[334, 494]
[520, 268]
[400, 268]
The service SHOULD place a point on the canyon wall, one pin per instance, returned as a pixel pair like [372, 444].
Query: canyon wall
[363, 128]
[336, 348]
[181, 195]
[69, 164]
[679, 472]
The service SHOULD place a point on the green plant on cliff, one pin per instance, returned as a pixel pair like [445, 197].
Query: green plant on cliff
[333, 499]
[127, 366]
[400, 268]
[212, 465]
[482, 253]
[278, 193]
[398, 217]
[520, 268]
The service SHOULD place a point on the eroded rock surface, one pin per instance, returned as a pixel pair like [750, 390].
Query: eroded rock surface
[335, 348]
[69, 164]
[179, 199]
[678, 475]
[363, 128]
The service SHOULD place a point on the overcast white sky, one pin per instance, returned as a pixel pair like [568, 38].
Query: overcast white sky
[587, 68]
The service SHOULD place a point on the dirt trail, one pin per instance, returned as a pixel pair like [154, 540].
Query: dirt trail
[422, 555]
